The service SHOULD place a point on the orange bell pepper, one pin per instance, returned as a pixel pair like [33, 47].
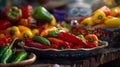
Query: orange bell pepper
[24, 22]
[91, 40]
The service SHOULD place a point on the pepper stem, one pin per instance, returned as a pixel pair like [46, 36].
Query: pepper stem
[13, 42]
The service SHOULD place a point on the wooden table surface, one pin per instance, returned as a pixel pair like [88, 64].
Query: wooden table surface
[105, 55]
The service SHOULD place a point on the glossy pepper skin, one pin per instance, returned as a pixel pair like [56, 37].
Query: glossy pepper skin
[2, 50]
[41, 14]
[47, 30]
[99, 16]
[71, 38]
[54, 33]
[25, 31]
[26, 11]
[17, 57]
[30, 43]
[91, 40]
[13, 32]
[14, 14]
[6, 56]
[4, 41]
[60, 44]
[106, 10]
[4, 23]
[42, 40]
[7, 53]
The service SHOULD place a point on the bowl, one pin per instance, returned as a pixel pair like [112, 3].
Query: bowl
[65, 53]
[30, 60]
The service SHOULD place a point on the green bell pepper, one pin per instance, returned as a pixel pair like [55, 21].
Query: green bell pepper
[41, 14]
[7, 53]
[3, 49]
[14, 14]
[6, 56]
[19, 57]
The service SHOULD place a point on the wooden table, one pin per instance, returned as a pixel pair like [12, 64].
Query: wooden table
[106, 57]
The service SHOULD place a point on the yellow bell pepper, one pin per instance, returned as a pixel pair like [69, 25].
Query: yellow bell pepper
[13, 32]
[23, 28]
[112, 22]
[99, 16]
[25, 31]
[27, 34]
[35, 32]
[87, 22]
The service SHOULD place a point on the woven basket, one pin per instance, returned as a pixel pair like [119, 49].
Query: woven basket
[65, 53]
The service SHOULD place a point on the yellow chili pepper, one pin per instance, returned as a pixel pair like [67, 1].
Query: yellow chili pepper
[13, 32]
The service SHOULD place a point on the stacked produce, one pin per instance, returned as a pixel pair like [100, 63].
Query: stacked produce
[38, 28]
[103, 17]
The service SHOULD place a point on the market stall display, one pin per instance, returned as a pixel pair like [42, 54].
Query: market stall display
[38, 32]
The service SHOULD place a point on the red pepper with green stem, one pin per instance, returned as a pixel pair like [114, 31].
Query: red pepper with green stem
[71, 38]
[30, 43]
[91, 40]
[60, 44]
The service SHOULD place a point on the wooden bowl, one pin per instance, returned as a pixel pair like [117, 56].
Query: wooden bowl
[30, 60]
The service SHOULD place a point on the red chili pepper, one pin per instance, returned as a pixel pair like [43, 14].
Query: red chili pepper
[60, 44]
[71, 38]
[26, 11]
[4, 23]
[31, 43]
[77, 47]
[92, 40]
[4, 41]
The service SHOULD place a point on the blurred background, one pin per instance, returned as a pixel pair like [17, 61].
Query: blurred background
[63, 8]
